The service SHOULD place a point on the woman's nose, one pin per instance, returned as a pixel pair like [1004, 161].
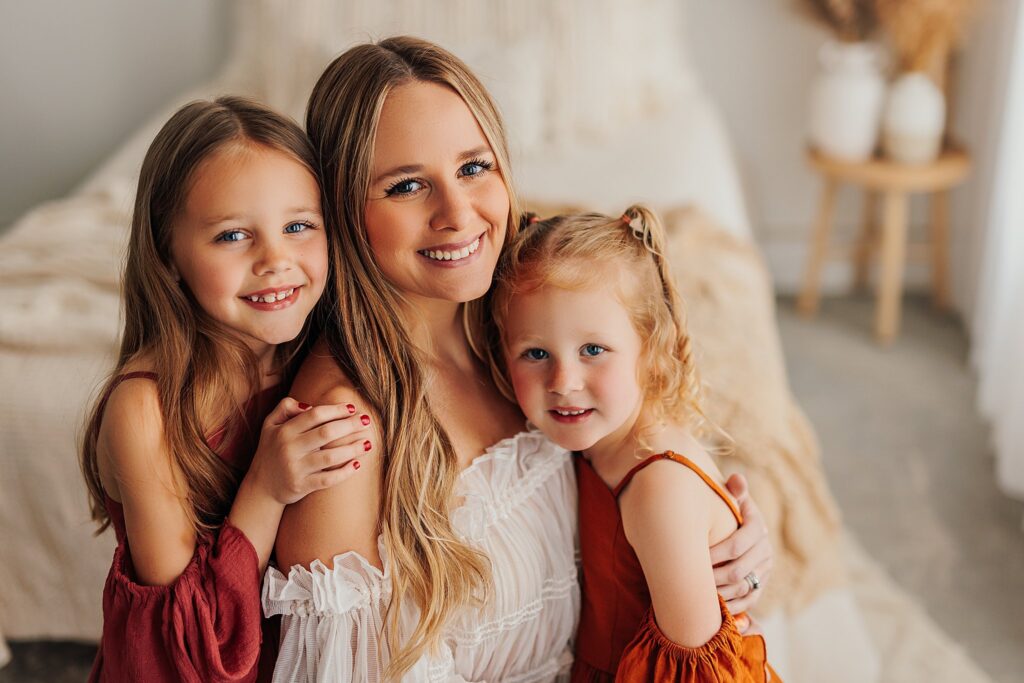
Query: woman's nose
[454, 209]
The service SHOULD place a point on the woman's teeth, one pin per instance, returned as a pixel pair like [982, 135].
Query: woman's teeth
[272, 297]
[456, 255]
[567, 413]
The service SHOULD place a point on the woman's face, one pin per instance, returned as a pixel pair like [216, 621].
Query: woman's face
[438, 207]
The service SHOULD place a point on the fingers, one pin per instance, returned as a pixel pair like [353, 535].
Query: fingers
[747, 625]
[747, 601]
[737, 544]
[322, 425]
[285, 410]
[332, 458]
[737, 486]
[329, 478]
[729, 577]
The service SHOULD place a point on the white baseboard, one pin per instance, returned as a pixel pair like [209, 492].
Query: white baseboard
[787, 260]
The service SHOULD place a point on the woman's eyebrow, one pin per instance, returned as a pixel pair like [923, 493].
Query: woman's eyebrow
[475, 152]
[398, 170]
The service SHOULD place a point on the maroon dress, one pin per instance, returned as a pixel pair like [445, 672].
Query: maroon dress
[205, 627]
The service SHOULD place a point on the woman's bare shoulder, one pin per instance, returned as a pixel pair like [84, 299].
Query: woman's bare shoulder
[344, 517]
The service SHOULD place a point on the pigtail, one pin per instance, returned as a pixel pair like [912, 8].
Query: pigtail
[648, 229]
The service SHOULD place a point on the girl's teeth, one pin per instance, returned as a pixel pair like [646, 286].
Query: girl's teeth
[568, 413]
[272, 297]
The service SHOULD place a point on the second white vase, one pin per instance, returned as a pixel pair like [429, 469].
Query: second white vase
[914, 120]
[846, 101]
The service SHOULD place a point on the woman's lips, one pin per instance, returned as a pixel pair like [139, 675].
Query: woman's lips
[453, 255]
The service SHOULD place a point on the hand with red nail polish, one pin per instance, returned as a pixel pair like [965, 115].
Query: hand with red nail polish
[306, 448]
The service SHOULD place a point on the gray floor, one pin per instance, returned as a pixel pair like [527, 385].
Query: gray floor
[908, 460]
[911, 466]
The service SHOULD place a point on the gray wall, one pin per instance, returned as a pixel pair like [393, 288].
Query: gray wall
[77, 77]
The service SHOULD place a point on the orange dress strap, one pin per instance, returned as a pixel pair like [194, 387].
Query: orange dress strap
[686, 462]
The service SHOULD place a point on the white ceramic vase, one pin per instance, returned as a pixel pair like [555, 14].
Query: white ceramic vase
[914, 120]
[846, 100]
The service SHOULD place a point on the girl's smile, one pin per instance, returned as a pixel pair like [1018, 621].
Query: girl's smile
[273, 298]
[573, 358]
[249, 244]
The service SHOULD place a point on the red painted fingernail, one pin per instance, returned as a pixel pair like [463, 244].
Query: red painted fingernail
[355, 465]
[304, 406]
[365, 419]
[351, 408]
[366, 445]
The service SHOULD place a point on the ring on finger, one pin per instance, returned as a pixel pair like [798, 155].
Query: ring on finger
[752, 581]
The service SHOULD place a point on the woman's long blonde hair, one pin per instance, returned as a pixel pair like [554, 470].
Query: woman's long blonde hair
[569, 252]
[199, 359]
[428, 561]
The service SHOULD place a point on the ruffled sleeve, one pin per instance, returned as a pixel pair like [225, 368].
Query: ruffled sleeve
[332, 622]
[204, 627]
[728, 657]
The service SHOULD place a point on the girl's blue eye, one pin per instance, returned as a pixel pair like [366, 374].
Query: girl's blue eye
[592, 350]
[535, 354]
[231, 236]
[297, 227]
[475, 167]
[403, 187]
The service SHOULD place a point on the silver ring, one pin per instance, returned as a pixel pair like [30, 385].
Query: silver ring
[753, 581]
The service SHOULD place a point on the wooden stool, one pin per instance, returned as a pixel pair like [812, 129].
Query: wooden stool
[894, 182]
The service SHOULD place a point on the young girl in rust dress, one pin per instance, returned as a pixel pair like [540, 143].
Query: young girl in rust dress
[227, 258]
[596, 353]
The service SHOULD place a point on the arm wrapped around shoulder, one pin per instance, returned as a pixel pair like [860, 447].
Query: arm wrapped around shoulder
[728, 657]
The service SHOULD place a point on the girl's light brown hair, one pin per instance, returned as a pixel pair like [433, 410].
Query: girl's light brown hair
[578, 251]
[429, 563]
[198, 360]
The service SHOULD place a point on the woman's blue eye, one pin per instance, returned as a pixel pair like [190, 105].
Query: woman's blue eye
[535, 354]
[231, 236]
[297, 227]
[407, 186]
[475, 167]
[592, 350]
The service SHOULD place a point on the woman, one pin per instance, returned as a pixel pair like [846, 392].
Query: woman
[464, 509]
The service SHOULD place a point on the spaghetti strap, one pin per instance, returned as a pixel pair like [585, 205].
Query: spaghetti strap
[686, 462]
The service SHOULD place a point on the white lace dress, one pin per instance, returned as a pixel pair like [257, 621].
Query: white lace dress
[520, 509]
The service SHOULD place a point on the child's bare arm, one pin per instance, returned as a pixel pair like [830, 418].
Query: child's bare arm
[667, 516]
[160, 534]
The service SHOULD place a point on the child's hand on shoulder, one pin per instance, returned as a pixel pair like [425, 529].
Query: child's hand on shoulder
[304, 448]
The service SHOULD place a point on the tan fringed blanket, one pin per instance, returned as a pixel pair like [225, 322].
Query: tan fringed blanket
[731, 315]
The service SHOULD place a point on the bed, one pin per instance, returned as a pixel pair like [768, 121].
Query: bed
[619, 120]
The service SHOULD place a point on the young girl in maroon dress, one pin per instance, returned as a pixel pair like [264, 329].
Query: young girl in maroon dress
[597, 355]
[227, 258]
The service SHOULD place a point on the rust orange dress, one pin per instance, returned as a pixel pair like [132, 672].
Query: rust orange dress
[618, 639]
[207, 626]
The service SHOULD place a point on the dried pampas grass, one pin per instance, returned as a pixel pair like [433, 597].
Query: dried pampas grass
[850, 20]
[923, 32]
